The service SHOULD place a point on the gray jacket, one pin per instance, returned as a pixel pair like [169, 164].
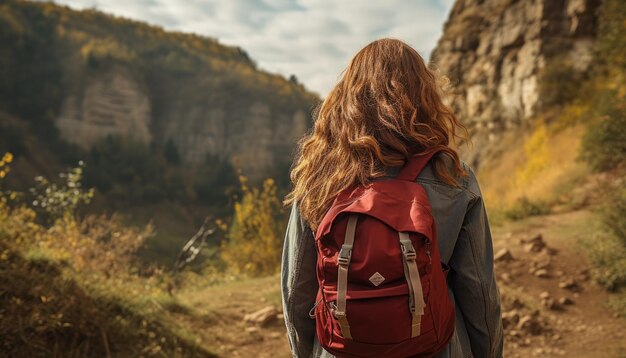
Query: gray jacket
[465, 244]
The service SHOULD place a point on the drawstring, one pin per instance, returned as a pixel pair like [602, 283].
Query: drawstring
[312, 310]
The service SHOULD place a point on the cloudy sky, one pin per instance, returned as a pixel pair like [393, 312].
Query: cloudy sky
[313, 39]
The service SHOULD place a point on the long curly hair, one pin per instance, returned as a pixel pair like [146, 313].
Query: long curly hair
[386, 107]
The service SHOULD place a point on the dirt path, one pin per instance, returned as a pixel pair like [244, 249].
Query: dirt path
[542, 273]
[536, 323]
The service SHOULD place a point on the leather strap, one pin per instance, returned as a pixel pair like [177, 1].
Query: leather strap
[416, 295]
[342, 276]
[415, 165]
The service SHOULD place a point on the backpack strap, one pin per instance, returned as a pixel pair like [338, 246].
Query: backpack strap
[415, 165]
[416, 295]
[343, 261]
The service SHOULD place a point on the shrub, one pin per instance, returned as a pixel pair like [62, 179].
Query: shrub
[96, 242]
[59, 297]
[54, 201]
[559, 82]
[6, 159]
[613, 216]
[604, 144]
[608, 257]
[524, 207]
[45, 312]
[608, 250]
[255, 237]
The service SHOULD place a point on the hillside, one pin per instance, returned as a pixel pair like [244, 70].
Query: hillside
[165, 122]
[93, 75]
[501, 57]
[530, 80]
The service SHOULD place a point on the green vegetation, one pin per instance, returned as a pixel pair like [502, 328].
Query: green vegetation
[609, 247]
[604, 144]
[608, 250]
[604, 147]
[524, 208]
[127, 171]
[559, 82]
[56, 202]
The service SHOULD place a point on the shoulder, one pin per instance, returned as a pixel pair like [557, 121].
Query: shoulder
[470, 182]
[467, 183]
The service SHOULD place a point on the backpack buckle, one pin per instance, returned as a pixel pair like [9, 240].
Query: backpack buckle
[408, 250]
[345, 253]
[337, 314]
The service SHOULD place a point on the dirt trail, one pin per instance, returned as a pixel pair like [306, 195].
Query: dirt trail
[529, 276]
[547, 269]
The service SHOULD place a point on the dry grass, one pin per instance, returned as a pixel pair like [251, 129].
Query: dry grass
[540, 166]
[63, 295]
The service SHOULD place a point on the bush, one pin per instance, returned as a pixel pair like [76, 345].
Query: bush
[6, 159]
[613, 216]
[53, 202]
[97, 242]
[608, 256]
[129, 171]
[71, 290]
[524, 207]
[255, 237]
[46, 313]
[559, 82]
[604, 144]
[608, 251]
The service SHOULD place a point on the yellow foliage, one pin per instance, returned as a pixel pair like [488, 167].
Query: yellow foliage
[4, 164]
[106, 48]
[536, 152]
[540, 168]
[255, 238]
[4, 168]
[96, 242]
[7, 158]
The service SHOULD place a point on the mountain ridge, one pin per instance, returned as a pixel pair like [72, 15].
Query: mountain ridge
[116, 76]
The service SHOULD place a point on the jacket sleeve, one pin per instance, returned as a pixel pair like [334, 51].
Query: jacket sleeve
[473, 281]
[299, 284]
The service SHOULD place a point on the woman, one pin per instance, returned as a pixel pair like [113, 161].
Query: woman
[386, 108]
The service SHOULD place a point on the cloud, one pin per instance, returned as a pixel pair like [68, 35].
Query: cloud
[313, 39]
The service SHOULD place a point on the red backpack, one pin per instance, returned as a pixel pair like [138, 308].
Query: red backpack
[383, 291]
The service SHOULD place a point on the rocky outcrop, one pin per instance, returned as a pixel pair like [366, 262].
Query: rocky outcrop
[494, 51]
[255, 136]
[111, 103]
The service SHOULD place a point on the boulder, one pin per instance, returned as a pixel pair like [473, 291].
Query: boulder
[504, 255]
[263, 316]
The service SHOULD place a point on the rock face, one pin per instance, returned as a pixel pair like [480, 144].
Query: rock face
[112, 103]
[255, 136]
[248, 118]
[189, 97]
[493, 51]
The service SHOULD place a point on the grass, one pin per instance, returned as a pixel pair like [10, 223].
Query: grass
[539, 168]
[50, 312]
[72, 289]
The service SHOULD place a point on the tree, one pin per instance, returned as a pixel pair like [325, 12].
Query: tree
[255, 237]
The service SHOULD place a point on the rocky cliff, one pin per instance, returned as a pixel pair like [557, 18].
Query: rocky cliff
[496, 53]
[95, 75]
[249, 131]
